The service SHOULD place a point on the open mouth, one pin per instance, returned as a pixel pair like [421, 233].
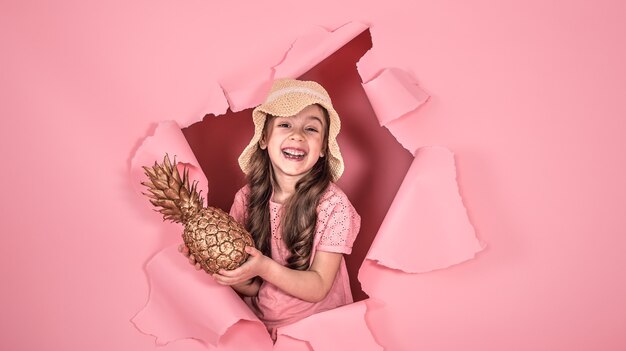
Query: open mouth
[294, 154]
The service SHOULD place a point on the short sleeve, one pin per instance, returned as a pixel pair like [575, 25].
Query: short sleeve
[238, 209]
[338, 225]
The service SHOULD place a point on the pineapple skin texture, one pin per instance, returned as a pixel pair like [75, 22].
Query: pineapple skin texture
[216, 240]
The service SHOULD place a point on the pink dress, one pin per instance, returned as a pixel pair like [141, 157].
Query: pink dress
[337, 226]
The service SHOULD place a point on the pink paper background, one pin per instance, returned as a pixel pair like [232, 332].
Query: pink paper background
[528, 96]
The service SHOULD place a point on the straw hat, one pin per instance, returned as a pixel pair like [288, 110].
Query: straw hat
[286, 98]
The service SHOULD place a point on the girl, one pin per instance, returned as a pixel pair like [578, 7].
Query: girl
[301, 221]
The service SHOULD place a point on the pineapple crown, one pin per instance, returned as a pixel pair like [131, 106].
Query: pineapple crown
[170, 194]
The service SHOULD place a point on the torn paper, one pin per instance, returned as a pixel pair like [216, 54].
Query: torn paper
[427, 226]
[343, 328]
[167, 138]
[185, 303]
[178, 307]
[249, 87]
[393, 93]
[312, 48]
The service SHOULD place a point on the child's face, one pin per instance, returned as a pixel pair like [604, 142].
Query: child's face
[295, 143]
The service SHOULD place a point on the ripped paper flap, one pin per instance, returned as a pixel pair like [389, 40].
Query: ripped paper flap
[185, 303]
[249, 87]
[425, 229]
[427, 226]
[312, 48]
[167, 138]
[343, 328]
[393, 93]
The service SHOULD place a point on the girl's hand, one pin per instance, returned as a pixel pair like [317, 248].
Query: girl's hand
[185, 251]
[256, 265]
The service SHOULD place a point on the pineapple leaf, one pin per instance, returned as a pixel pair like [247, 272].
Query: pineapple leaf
[150, 196]
[160, 173]
[171, 194]
[176, 175]
[173, 185]
[186, 178]
[201, 200]
[157, 193]
[149, 172]
[169, 211]
[167, 165]
[166, 203]
[175, 181]
[184, 196]
[160, 184]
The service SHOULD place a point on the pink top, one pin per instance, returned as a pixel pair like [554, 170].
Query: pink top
[337, 226]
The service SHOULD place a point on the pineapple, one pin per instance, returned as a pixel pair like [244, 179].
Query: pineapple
[214, 238]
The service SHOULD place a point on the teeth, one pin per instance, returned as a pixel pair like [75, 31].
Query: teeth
[293, 152]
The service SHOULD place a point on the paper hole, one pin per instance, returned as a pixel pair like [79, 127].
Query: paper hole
[375, 162]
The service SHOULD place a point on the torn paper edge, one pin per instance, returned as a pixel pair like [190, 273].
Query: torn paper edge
[359, 307]
[304, 53]
[135, 320]
[407, 95]
[473, 244]
[182, 152]
[413, 95]
[299, 58]
[378, 80]
[216, 334]
[205, 331]
[157, 339]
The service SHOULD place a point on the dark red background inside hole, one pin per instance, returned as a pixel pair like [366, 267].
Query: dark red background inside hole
[375, 162]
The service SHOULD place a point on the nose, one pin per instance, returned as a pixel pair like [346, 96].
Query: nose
[297, 135]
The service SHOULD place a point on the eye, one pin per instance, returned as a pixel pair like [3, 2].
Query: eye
[311, 129]
[283, 125]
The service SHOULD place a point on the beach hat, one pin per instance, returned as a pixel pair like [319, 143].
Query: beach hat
[286, 98]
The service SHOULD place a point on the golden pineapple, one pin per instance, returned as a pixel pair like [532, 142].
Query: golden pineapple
[214, 238]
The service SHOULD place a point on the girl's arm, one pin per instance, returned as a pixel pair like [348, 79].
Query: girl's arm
[311, 285]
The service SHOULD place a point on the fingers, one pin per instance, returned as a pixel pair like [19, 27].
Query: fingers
[252, 251]
[224, 280]
[220, 279]
[233, 277]
[234, 273]
[183, 249]
[192, 260]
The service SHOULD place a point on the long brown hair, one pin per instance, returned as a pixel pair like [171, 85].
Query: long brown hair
[300, 210]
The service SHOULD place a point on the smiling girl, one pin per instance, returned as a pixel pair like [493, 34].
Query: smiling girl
[302, 223]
